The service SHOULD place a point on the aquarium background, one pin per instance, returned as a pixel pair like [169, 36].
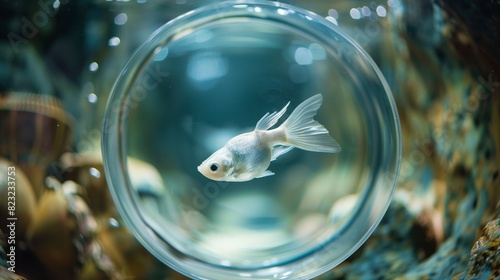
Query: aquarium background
[59, 60]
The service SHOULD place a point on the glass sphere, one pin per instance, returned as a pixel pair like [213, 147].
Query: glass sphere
[210, 75]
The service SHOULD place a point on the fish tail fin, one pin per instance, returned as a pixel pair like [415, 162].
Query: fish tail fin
[303, 132]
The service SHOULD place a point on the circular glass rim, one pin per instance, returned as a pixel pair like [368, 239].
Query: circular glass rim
[128, 204]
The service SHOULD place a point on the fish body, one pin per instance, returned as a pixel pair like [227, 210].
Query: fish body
[248, 155]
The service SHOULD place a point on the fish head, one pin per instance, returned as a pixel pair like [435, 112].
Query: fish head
[219, 166]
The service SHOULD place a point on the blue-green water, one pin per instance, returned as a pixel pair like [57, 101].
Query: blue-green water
[211, 75]
[211, 85]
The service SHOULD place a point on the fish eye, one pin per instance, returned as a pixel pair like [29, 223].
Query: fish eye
[214, 167]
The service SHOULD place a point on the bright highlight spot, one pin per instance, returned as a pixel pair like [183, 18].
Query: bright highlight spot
[161, 53]
[92, 98]
[355, 14]
[93, 66]
[121, 19]
[303, 56]
[332, 19]
[113, 223]
[94, 172]
[333, 13]
[381, 11]
[114, 41]
[283, 12]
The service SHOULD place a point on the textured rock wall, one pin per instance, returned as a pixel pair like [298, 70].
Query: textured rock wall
[441, 60]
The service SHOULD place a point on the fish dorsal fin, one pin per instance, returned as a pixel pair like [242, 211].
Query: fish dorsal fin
[268, 120]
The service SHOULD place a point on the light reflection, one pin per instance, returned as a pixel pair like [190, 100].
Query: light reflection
[121, 19]
[114, 41]
[113, 223]
[392, 3]
[333, 13]
[355, 14]
[332, 19]
[317, 51]
[303, 56]
[258, 9]
[161, 54]
[206, 66]
[282, 12]
[56, 4]
[381, 11]
[366, 11]
[94, 172]
[92, 99]
[93, 66]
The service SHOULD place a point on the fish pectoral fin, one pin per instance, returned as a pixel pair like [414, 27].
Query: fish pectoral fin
[265, 174]
[268, 120]
[279, 150]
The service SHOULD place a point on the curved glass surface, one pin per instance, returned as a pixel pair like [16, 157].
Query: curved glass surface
[210, 75]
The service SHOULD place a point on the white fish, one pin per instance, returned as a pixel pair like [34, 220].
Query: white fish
[248, 155]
